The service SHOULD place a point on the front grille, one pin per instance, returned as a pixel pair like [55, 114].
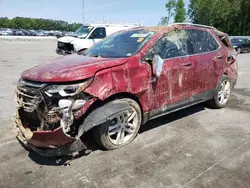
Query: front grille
[28, 95]
[65, 46]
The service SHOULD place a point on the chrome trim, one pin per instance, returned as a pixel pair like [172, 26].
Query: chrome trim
[30, 84]
[29, 96]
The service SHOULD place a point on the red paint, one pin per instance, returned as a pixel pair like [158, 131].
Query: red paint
[50, 138]
[69, 68]
[85, 107]
[134, 76]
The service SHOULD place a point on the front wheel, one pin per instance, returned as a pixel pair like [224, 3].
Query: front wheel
[122, 128]
[222, 93]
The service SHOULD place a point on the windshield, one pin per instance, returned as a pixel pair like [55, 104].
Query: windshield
[121, 44]
[83, 31]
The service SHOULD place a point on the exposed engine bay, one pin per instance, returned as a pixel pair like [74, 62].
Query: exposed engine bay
[45, 107]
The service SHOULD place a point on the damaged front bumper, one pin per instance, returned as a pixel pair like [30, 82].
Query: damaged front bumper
[63, 52]
[48, 123]
[47, 143]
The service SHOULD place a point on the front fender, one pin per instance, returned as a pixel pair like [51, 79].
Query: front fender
[101, 115]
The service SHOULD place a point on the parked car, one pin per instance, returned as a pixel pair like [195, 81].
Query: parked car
[33, 32]
[241, 44]
[40, 33]
[17, 32]
[86, 36]
[5, 32]
[26, 32]
[120, 83]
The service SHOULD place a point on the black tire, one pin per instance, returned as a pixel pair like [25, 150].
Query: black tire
[214, 102]
[100, 132]
[80, 52]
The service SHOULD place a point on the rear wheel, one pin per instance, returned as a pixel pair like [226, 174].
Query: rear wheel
[122, 127]
[222, 93]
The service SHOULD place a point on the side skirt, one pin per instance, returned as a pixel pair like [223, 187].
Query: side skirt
[167, 109]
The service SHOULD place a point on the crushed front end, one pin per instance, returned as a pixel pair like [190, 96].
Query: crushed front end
[64, 48]
[48, 116]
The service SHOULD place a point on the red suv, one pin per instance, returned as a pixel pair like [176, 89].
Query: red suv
[120, 83]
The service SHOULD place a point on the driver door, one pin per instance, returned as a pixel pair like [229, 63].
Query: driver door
[175, 83]
[97, 35]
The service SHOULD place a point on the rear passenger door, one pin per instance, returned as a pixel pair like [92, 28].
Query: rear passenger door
[208, 61]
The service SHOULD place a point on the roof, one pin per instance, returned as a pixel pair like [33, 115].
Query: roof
[167, 28]
[113, 25]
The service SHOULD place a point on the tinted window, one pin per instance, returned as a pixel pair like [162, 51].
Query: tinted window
[99, 33]
[247, 41]
[173, 44]
[201, 41]
[121, 44]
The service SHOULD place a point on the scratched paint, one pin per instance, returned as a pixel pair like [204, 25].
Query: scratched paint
[132, 76]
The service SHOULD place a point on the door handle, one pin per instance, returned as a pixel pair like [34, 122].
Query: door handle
[187, 64]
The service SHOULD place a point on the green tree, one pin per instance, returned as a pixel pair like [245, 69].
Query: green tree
[4, 22]
[170, 6]
[36, 23]
[180, 11]
[230, 16]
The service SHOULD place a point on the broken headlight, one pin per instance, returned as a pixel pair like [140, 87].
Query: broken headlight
[67, 90]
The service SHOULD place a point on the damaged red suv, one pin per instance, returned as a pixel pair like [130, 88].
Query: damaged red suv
[120, 83]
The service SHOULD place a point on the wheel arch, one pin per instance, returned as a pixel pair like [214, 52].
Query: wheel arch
[80, 51]
[100, 103]
[122, 95]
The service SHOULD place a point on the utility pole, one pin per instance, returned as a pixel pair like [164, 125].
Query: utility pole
[82, 11]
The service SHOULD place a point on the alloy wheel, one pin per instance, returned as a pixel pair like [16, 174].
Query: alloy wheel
[224, 92]
[123, 126]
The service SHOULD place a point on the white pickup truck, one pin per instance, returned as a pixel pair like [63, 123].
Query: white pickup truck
[86, 36]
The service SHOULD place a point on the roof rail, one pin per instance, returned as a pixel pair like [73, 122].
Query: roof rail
[110, 23]
[197, 25]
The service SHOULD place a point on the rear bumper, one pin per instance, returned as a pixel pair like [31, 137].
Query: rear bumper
[47, 143]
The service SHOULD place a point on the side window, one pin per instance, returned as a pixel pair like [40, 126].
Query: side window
[201, 41]
[247, 41]
[173, 44]
[98, 33]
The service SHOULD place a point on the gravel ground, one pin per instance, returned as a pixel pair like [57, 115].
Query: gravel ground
[195, 147]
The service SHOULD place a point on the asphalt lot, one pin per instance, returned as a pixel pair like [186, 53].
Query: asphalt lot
[195, 147]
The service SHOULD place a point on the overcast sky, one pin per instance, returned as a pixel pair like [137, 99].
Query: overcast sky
[148, 11]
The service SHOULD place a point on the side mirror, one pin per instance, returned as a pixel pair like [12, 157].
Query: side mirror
[157, 65]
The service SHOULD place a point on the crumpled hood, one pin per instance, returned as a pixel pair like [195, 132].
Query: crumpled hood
[67, 39]
[70, 68]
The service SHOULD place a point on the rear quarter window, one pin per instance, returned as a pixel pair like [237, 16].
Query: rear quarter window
[201, 41]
